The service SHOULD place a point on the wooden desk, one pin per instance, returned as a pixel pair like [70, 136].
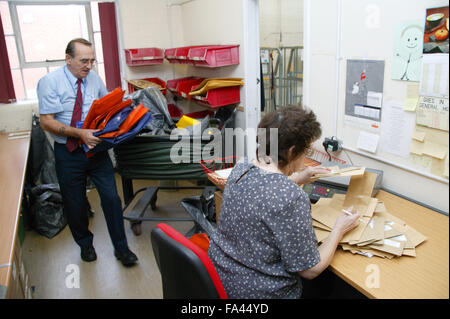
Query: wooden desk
[424, 276]
[13, 161]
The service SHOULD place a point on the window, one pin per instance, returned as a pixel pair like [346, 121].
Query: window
[36, 36]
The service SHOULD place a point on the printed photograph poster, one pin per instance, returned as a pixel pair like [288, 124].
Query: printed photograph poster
[435, 39]
[364, 89]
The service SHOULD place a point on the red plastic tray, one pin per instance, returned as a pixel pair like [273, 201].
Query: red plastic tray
[220, 97]
[172, 85]
[213, 56]
[184, 87]
[131, 88]
[144, 56]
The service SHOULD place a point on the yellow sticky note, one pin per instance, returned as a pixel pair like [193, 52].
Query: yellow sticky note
[412, 98]
[434, 150]
[416, 147]
[419, 135]
[411, 104]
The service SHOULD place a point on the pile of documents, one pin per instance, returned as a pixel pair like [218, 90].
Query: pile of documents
[378, 232]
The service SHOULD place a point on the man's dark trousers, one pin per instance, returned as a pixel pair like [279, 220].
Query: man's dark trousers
[72, 170]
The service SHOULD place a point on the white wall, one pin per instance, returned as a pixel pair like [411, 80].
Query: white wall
[324, 81]
[281, 23]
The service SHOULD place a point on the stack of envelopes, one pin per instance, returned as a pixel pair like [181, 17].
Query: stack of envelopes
[378, 232]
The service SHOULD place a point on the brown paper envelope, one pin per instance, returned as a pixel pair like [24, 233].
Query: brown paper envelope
[390, 231]
[337, 201]
[365, 243]
[364, 205]
[355, 233]
[361, 185]
[319, 225]
[373, 232]
[323, 201]
[378, 253]
[380, 208]
[404, 239]
[414, 236]
[321, 235]
[390, 246]
[325, 214]
[364, 250]
[391, 218]
[409, 252]
[337, 172]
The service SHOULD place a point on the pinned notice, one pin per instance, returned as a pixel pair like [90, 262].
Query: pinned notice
[433, 112]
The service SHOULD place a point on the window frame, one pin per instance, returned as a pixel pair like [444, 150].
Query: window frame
[19, 41]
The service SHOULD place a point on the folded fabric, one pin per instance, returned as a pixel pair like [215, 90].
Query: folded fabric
[102, 106]
[131, 119]
[102, 119]
[129, 129]
[215, 83]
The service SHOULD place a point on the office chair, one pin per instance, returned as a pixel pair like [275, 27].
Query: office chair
[186, 270]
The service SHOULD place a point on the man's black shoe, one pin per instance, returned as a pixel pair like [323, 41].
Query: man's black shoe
[88, 254]
[127, 257]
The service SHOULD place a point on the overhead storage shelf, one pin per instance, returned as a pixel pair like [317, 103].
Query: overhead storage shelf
[210, 56]
[144, 56]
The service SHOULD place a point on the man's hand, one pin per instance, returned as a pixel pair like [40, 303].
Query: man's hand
[304, 176]
[88, 138]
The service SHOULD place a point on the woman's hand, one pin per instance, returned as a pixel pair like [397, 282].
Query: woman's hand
[304, 176]
[344, 223]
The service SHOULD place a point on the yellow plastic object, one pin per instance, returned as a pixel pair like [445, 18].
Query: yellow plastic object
[186, 121]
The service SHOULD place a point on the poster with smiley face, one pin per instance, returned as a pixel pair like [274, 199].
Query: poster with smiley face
[408, 46]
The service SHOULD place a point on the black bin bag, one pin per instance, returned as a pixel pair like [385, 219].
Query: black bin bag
[48, 217]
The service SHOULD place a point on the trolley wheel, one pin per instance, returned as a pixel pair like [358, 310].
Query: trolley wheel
[136, 227]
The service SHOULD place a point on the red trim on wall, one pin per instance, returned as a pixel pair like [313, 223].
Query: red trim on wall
[7, 93]
[107, 14]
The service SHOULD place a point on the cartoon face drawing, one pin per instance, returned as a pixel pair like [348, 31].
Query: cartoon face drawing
[411, 38]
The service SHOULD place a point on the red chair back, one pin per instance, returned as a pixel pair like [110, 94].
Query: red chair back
[186, 270]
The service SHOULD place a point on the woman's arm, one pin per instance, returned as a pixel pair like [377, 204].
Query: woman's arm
[343, 224]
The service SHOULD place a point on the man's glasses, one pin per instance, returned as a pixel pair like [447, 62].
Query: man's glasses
[87, 61]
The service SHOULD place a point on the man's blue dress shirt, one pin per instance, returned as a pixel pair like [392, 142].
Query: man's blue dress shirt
[57, 93]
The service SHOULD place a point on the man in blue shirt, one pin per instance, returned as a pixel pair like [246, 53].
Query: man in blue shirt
[65, 97]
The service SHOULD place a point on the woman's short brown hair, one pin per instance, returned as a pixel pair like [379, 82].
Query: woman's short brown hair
[297, 126]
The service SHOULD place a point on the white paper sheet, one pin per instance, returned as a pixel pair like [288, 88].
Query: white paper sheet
[434, 78]
[368, 141]
[397, 129]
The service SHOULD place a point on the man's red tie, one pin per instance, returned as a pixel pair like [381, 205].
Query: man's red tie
[72, 143]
